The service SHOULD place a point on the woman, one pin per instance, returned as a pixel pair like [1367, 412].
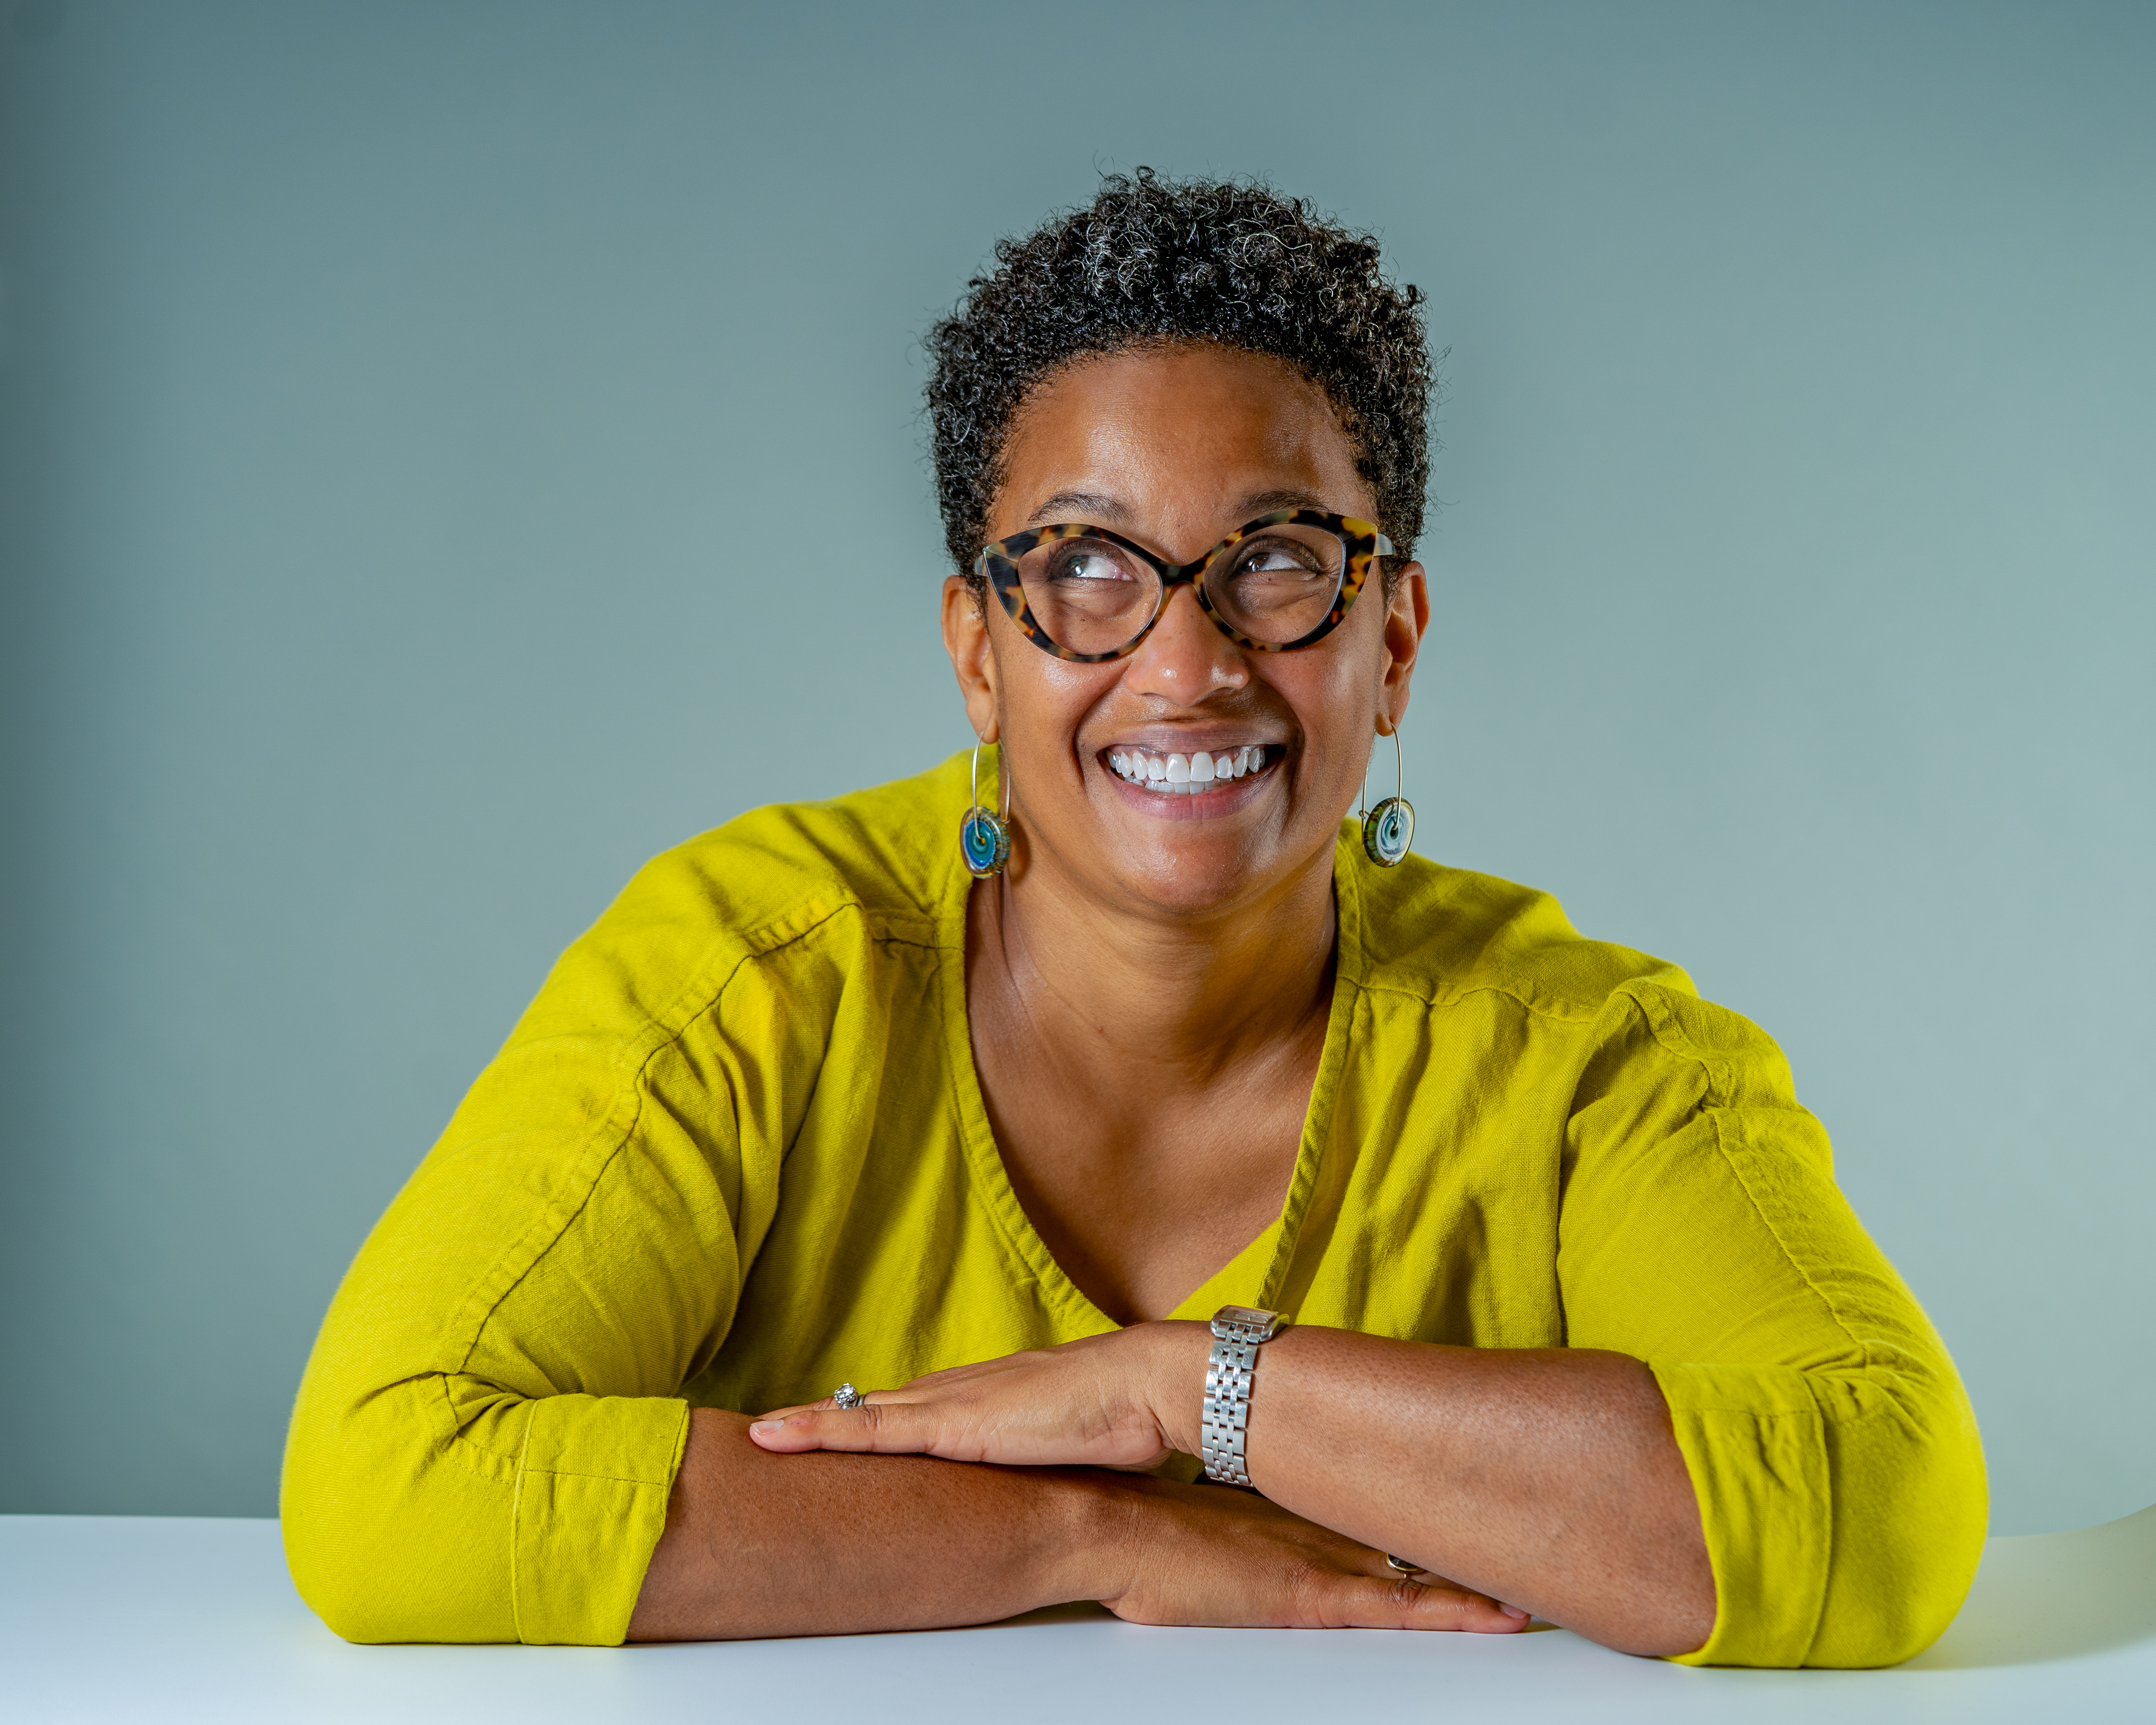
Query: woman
[1108, 1097]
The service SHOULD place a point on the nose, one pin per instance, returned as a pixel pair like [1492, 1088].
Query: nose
[1186, 659]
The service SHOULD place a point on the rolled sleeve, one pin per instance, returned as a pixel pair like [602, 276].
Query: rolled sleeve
[590, 1503]
[489, 1428]
[1753, 1441]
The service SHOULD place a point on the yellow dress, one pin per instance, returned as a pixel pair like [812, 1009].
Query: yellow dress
[736, 1152]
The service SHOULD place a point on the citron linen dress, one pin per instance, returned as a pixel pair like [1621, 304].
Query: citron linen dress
[736, 1152]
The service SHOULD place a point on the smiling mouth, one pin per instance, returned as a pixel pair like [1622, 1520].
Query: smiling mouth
[1178, 775]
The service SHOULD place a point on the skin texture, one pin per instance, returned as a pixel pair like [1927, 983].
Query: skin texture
[1546, 1477]
[762, 1544]
[1147, 989]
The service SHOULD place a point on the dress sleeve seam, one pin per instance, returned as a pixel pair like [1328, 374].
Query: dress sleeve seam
[555, 1221]
[545, 1232]
[1766, 1221]
[515, 1529]
[559, 1213]
[1716, 1108]
[571, 1473]
[485, 1461]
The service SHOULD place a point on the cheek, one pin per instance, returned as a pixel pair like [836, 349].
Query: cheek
[1335, 698]
[1041, 700]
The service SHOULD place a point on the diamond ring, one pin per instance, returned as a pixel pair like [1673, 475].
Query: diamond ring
[846, 1396]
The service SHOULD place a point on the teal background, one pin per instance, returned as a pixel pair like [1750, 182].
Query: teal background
[454, 450]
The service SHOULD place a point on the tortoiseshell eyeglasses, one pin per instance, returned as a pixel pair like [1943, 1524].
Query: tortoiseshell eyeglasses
[1276, 584]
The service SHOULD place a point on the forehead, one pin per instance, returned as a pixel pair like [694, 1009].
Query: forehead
[1175, 435]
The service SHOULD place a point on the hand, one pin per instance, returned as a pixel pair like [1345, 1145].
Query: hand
[1204, 1555]
[1091, 1403]
[1185, 1554]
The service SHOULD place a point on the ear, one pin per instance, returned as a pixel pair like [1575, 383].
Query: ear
[972, 655]
[1407, 616]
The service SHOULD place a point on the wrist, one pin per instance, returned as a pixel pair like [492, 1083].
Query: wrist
[1096, 1533]
[1173, 1383]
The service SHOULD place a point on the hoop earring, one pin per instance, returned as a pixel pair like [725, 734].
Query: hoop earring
[1389, 828]
[984, 836]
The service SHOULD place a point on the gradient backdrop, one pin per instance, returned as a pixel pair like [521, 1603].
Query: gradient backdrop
[435, 435]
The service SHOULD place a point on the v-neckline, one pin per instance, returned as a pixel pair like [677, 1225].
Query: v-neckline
[1255, 1275]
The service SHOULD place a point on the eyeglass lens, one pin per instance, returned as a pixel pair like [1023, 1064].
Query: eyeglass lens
[1092, 596]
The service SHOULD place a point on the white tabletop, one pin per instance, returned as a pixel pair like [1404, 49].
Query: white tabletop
[110, 1618]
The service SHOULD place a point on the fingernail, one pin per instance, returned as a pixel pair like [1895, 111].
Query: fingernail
[764, 1428]
[1513, 1611]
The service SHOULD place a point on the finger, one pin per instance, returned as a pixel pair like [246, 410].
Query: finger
[1358, 1601]
[872, 1428]
[798, 1408]
[1434, 1605]
[1384, 1570]
[1431, 1578]
[958, 1429]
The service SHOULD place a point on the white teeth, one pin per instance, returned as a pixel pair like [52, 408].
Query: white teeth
[1185, 775]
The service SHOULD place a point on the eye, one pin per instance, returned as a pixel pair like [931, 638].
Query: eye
[1078, 561]
[1278, 582]
[1278, 557]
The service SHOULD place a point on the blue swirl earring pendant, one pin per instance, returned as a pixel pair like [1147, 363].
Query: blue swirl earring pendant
[983, 835]
[1389, 828]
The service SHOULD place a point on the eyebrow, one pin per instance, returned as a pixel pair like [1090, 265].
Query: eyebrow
[1087, 503]
[1092, 504]
[1259, 503]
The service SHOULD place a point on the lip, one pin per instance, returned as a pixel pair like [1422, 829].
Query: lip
[1224, 798]
[1185, 742]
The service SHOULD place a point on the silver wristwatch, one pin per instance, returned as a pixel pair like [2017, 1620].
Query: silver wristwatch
[1237, 1332]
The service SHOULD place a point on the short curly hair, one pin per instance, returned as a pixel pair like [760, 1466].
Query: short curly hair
[1159, 261]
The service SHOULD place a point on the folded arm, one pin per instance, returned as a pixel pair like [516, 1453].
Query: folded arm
[1550, 1480]
[763, 1544]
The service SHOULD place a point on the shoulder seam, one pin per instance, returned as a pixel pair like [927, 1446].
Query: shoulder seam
[878, 923]
[1437, 997]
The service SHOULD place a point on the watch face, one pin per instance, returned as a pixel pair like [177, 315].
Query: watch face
[1260, 1324]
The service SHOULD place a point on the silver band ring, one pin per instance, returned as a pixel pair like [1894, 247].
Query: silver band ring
[1403, 1565]
[846, 1396]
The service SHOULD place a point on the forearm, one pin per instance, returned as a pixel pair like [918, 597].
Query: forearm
[757, 1544]
[1550, 1479]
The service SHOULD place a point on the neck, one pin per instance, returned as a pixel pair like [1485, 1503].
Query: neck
[1192, 995]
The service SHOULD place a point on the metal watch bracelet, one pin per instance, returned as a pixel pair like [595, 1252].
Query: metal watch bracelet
[1237, 1332]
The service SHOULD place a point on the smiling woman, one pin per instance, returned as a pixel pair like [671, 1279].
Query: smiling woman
[1169, 1126]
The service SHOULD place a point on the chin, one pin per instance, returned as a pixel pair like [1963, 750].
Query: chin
[1194, 877]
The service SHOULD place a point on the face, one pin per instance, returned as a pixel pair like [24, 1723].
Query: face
[1175, 448]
